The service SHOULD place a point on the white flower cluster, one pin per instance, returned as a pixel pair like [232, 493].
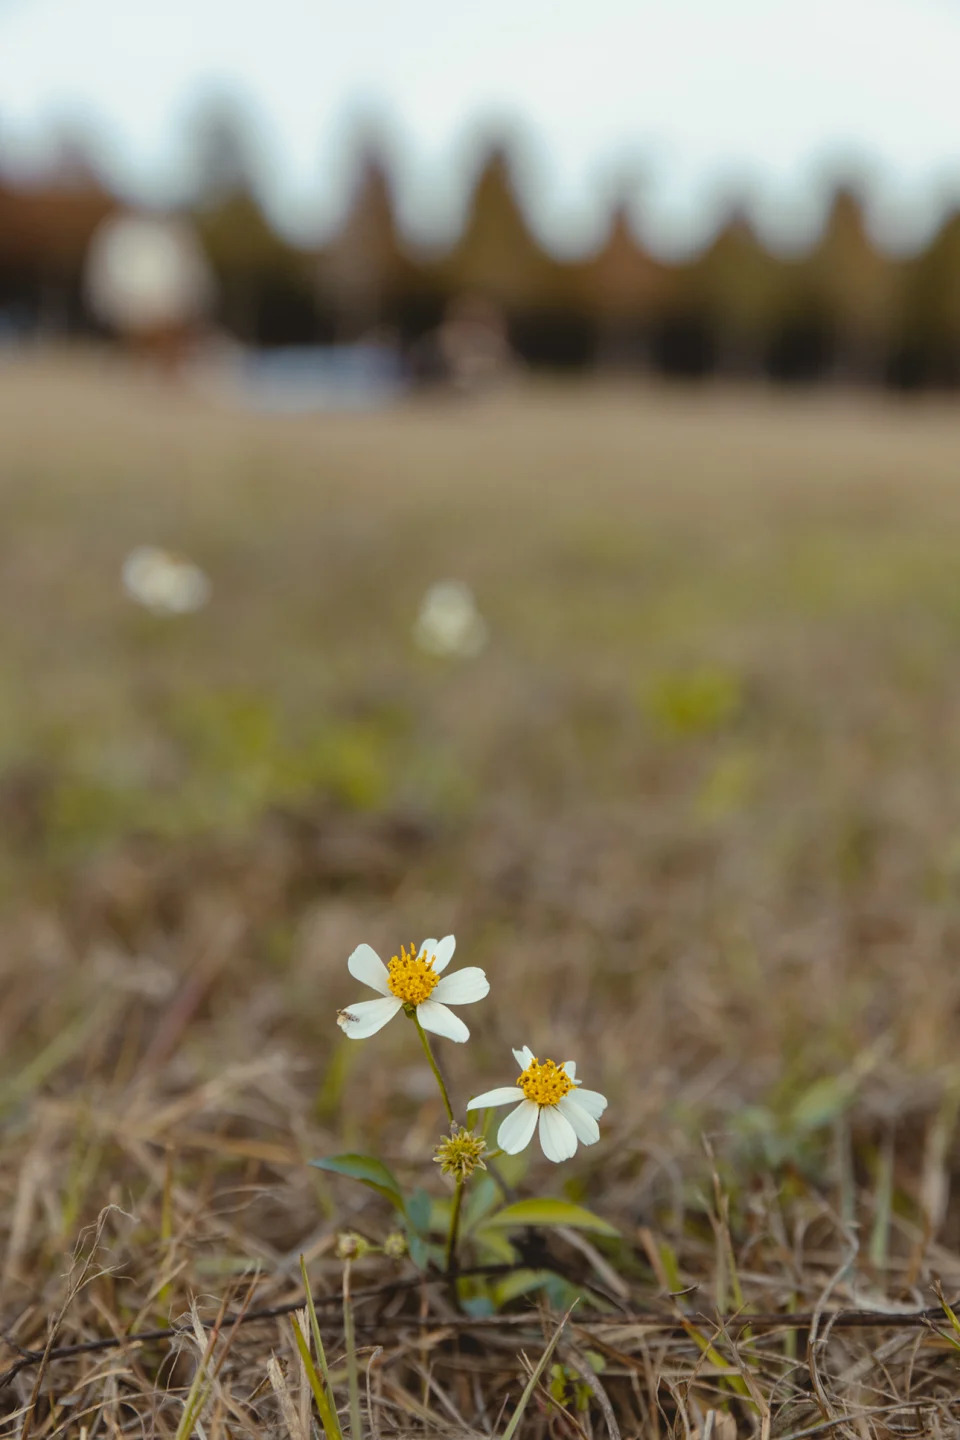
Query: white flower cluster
[547, 1097]
[449, 623]
[164, 583]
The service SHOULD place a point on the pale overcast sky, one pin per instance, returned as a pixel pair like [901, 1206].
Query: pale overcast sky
[700, 96]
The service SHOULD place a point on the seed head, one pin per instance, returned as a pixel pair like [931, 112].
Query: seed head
[460, 1152]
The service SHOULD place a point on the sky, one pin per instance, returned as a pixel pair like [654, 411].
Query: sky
[693, 102]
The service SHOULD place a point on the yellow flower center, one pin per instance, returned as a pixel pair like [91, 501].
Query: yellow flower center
[545, 1084]
[412, 978]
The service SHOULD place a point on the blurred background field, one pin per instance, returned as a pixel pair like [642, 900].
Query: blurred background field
[692, 806]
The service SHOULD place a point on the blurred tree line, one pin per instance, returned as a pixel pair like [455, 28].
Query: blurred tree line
[842, 310]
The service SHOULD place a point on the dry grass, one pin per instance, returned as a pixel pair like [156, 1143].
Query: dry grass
[694, 810]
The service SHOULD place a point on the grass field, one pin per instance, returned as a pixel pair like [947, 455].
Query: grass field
[695, 809]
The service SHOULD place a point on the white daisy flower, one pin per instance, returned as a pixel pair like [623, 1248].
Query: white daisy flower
[164, 583]
[412, 981]
[449, 622]
[547, 1092]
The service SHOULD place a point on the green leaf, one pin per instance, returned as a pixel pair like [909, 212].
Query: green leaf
[521, 1282]
[369, 1171]
[823, 1101]
[560, 1292]
[493, 1246]
[418, 1212]
[419, 1251]
[481, 1198]
[478, 1307]
[550, 1212]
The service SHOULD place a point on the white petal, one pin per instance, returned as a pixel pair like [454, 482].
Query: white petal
[440, 1021]
[366, 966]
[585, 1127]
[592, 1101]
[570, 1068]
[503, 1095]
[441, 950]
[557, 1135]
[516, 1131]
[367, 1016]
[524, 1056]
[462, 987]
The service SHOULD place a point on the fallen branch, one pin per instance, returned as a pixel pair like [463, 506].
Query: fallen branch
[648, 1321]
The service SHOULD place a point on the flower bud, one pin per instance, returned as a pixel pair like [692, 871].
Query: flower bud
[351, 1246]
[395, 1245]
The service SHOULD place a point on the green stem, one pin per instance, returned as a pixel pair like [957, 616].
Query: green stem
[454, 1228]
[433, 1065]
[350, 1344]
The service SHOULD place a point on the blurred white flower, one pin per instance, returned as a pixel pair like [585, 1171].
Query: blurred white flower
[449, 622]
[147, 272]
[547, 1092]
[164, 583]
[414, 982]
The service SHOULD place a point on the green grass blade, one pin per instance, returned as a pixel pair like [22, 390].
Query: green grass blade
[353, 1374]
[315, 1326]
[325, 1407]
[531, 1384]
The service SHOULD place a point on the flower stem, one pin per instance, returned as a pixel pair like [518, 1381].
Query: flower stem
[454, 1230]
[433, 1066]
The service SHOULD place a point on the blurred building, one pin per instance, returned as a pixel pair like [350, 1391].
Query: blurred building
[45, 229]
[844, 311]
